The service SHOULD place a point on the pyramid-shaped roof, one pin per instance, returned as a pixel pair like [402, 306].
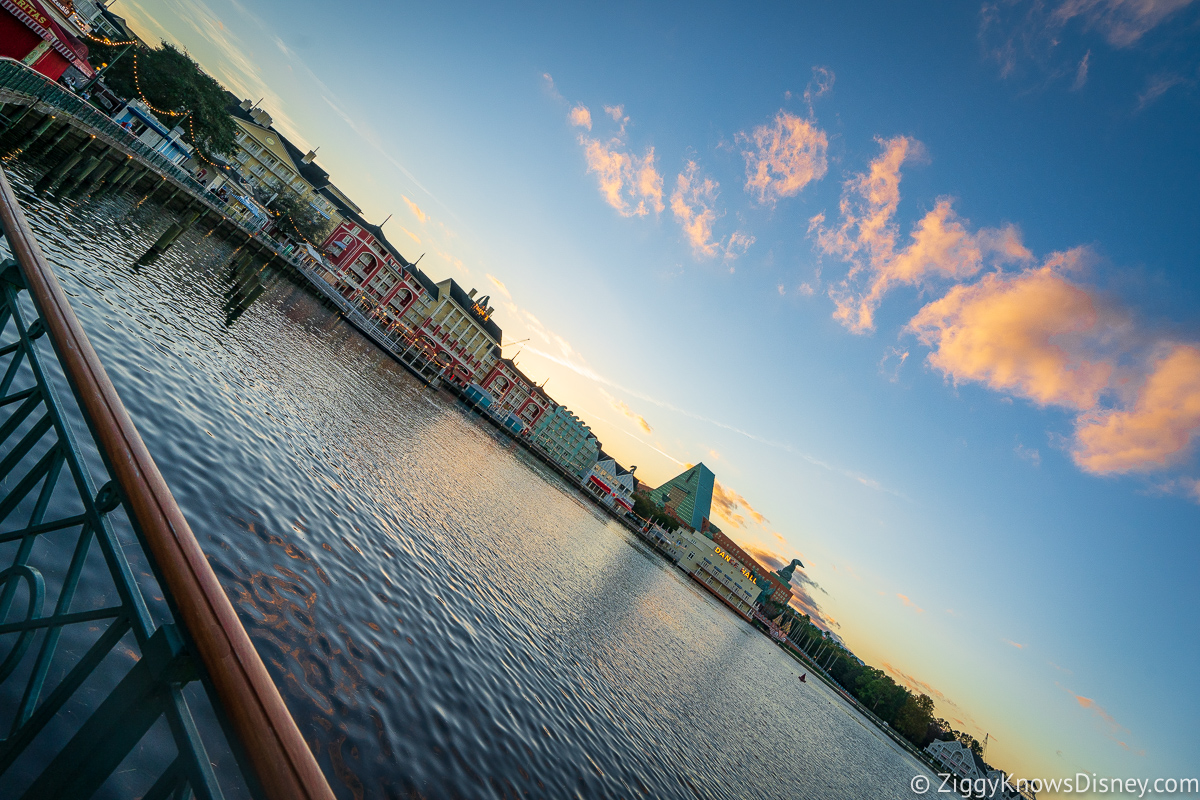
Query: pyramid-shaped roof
[688, 495]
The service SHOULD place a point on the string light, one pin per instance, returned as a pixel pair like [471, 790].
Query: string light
[138, 85]
[109, 42]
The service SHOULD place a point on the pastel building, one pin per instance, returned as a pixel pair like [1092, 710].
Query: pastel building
[781, 592]
[461, 330]
[135, 117]
[687, 496]
[962, 761]
[567, 440]
[512, 392]
[611, 482]
[267, 160]
[716, 570]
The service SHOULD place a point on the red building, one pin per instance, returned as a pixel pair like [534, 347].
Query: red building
[514, 392]
[368, 264]
[41, 40]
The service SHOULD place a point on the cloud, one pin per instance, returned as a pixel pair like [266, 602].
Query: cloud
[910, 604]
[1030, 454]
[1027, 334]
[415, 209]
[1157, 86]
[411, 235]
[785, 156]
[580, 117]
[623, 407]
[1121, 22]
[1011, 643]
[1113, 729]
[1081, 72]
[629, 183]
[550, 88]
[940, 244]
[726, 503]
[820, 85]
[693, 203]
[1157, 431]
[1033, 33]
[893, 373]
[502, 288]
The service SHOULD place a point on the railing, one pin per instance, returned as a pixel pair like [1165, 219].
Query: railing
[17, 77]
[51, 518]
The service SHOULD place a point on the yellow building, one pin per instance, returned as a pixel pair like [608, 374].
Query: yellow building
[460, 325]
[266, 159]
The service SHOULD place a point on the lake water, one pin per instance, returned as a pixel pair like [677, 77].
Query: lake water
[444, 616]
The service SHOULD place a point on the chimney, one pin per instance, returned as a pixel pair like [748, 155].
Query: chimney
[471, 294]
[261, 117]
[490, 310]
[309, 156]
[246, 105]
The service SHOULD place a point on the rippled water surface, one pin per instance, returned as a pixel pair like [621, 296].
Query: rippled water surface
[444, 617]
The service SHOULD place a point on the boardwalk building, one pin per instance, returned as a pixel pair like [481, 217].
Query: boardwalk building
[687, 496]
[567, 440]
[611, 483]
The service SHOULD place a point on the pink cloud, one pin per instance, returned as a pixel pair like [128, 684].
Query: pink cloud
[786, 155]
[580, 116]
[940, 245]
[693, 204]
[629, 183]
[1026, 334]
[1157, 431]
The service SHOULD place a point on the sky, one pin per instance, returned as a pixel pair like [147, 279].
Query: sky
[918, 282]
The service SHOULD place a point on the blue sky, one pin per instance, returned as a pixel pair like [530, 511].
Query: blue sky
[919, 284]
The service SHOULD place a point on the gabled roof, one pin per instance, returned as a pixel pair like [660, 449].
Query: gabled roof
[464, 301]
[349, 213]
[317, 177]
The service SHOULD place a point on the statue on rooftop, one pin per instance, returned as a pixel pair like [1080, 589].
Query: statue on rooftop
[785, 574]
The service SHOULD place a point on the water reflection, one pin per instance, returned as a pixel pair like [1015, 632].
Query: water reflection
[444, 617]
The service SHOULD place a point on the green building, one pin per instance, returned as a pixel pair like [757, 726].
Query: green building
[568, 440]
[688, 496]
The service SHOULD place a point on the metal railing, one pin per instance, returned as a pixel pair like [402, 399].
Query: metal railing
[17, 77]
[52, 516]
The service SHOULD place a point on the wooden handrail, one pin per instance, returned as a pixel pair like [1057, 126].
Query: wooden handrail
[281, 759]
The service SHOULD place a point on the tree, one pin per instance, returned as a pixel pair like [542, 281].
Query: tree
[644, 507]
[306, 219]
[171, 80]
[913, 720]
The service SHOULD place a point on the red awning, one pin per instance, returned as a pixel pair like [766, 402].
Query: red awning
[64, 43]
[599, 483]
[623, 504]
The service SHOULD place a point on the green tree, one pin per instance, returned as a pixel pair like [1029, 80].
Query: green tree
[914, 717]
[306, 219]
[644, 507]
[171, 80]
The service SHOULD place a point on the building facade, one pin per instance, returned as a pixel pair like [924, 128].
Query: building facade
[610, 482]
[567, 440]
[40, 36]
[714, 569]
[781, 593]
[515, 393]
[687, 496]
[271, 163]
